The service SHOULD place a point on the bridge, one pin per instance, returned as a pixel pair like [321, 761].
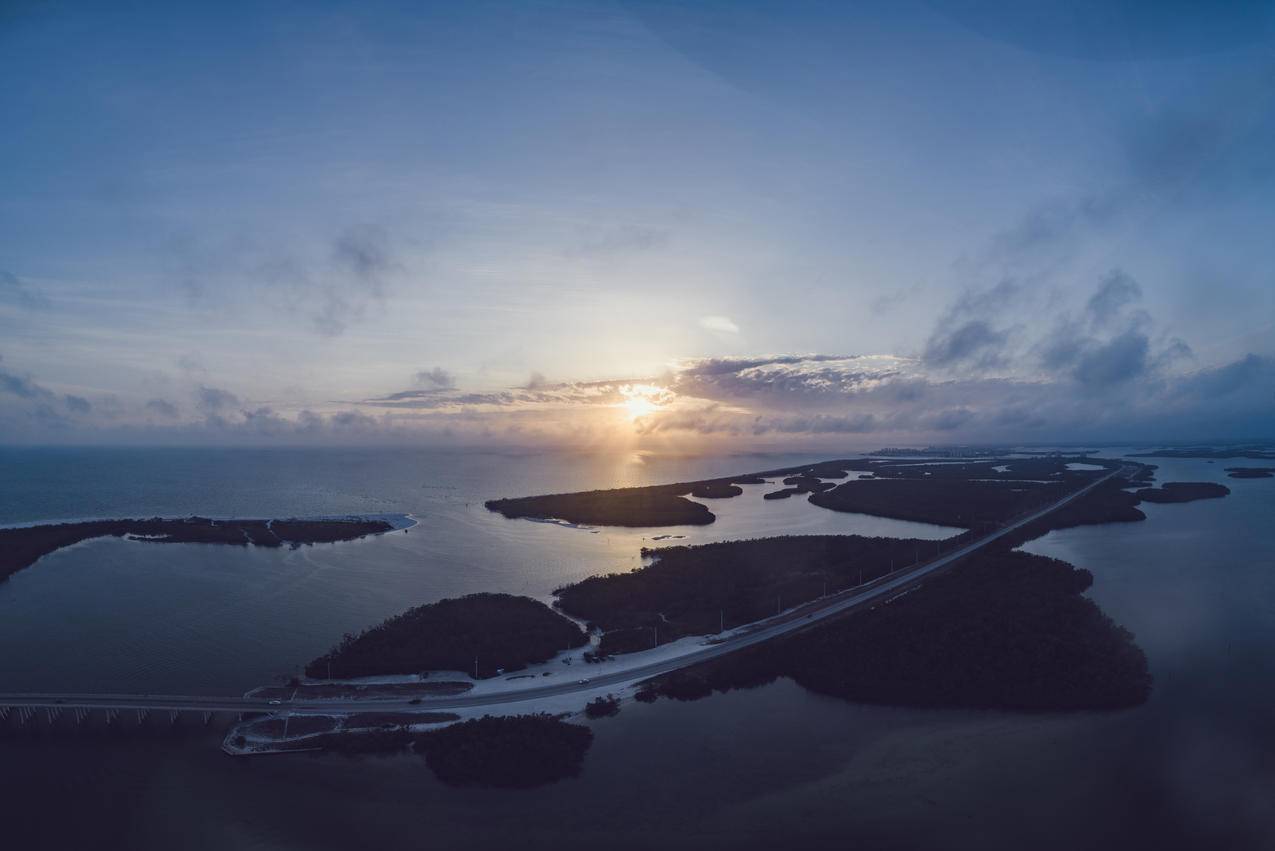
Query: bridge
[624, 671]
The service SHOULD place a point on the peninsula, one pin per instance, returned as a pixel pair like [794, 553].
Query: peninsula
[21, 547]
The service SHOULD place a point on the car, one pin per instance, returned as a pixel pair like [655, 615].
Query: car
[583, 681]
[276, 702]
[414, 701]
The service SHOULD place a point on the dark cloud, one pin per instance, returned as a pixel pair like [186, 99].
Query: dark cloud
[819, 424]
[536, 381]
[969, 334]
[950, 419]
[1121, 359]
[21, 385]
[163, 408]
[77, 404]
[435, 380]
[1117, 291]
[1252, 373]
[974, 344]
[214, 400]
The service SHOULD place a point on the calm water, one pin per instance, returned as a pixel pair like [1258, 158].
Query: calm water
[773, 767]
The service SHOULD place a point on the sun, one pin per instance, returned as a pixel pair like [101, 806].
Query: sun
[641, 400]
[639, 406]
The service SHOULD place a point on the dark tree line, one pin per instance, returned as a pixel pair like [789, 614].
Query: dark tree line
[497, 630]
[22, 547]
[698, 590]
[1002, 630]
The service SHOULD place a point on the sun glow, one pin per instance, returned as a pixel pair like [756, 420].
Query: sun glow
[639, 406]
[640, 400]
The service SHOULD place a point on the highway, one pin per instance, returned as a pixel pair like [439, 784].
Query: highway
[623, 671]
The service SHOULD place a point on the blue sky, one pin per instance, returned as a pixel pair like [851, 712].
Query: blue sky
[665, 224]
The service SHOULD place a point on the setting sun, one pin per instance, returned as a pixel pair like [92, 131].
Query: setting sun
[641, 400]
[639, 406]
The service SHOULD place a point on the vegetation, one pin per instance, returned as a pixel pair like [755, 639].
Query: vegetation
[946, 501]
[621, 507]
[1254, 452]
[983, 491]
[395, 719]
[656, 505]
[480, 633]
[1183, 492]
[1109, 502]
[1002, 630]
[1251, 472]
[602, 707]
[22, 547]
[699, 590]
[511, 752]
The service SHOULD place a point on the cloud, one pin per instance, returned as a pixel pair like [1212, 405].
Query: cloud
[1118, 360]
[719, 324]
[330, 278]
[1117, 291]
[965, 336]
[435, 380]
[536, 381]
[163, 408]
[21, 385]
[16, 291]
[784, 379]
[77, 404]
[974, 344]
[360, 262]
[214, 400]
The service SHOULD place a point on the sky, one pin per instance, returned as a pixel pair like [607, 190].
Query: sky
[677, 226]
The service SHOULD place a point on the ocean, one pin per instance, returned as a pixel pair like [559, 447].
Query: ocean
[769, 767]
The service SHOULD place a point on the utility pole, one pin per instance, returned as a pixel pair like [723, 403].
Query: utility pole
[721, 623]
[657, 635]
[475, 667]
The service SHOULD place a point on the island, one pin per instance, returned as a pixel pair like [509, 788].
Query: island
[1250, 472]
[992, 628]
[1183, 492]
[702, 590]
[654, 505]
[21, 547]
[1255, 452]
[482, 634]
[1002, 630]
[985, 491]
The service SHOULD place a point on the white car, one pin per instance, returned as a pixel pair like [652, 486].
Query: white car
[276, 702]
